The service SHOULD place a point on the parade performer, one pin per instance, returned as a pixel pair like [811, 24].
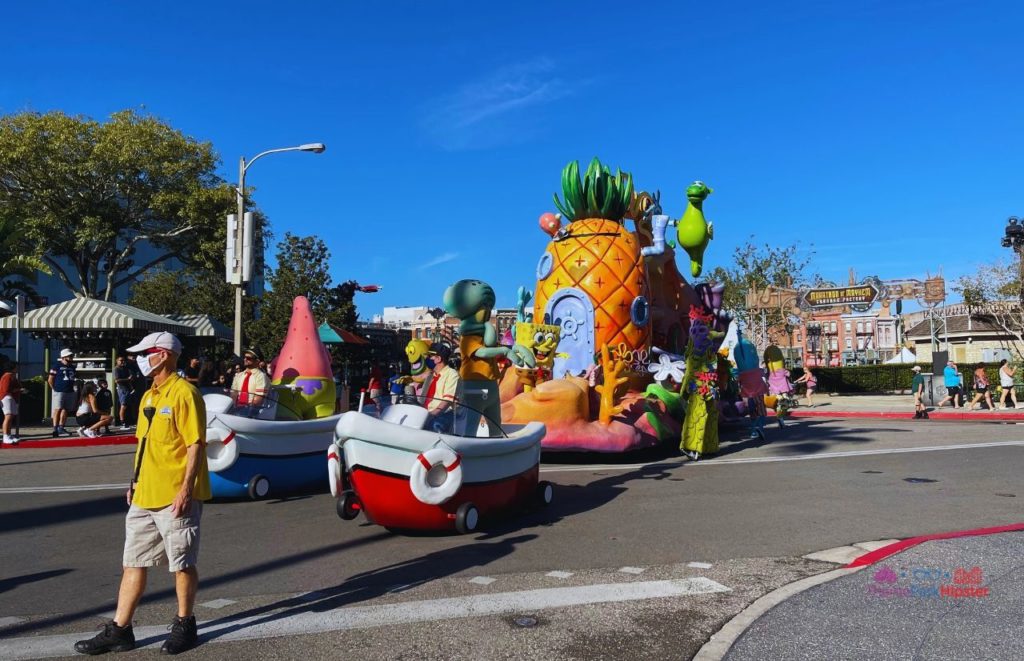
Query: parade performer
[752, 385]
[420, 367]
[542, 340]
[471, 301]
[700, 386]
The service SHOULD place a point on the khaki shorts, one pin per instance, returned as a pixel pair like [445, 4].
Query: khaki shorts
[64, 400]
[153, 537]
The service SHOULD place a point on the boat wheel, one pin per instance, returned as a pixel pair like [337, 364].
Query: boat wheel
[466, 518]
[259, 487]
[545, 494]
[348, 505]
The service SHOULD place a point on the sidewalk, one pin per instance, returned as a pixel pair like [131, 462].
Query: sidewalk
[39, 436]
[953, 598]
[892, 406]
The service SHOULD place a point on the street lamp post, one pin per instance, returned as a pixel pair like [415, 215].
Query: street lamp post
[314, 147]
[1013, 237]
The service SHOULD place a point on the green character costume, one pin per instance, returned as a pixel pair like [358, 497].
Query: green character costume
[700, 386]
[471, 301]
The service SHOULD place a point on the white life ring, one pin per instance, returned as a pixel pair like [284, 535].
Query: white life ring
[221, 449]
[436, 475]
[334, 470]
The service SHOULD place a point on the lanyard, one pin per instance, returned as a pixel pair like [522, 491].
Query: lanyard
[149, 411]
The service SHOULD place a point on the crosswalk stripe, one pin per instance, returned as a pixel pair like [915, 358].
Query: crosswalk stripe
[268, 625]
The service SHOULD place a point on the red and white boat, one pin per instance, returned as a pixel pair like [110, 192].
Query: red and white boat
[406, 477]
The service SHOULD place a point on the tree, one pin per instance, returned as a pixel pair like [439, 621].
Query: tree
[758, 267]
[18, 271]
[189, 291]
[88, 195]
[302, 270]
[993, 294]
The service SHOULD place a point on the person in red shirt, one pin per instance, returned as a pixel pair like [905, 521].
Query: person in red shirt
[10, 394]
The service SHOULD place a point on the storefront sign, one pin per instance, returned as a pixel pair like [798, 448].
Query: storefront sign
[861, 296]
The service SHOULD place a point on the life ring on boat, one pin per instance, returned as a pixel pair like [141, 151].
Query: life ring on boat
[221, 449]
[334, 470]
[436, 475]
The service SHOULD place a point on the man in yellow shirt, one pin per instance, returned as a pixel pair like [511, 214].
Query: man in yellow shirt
[165, 498]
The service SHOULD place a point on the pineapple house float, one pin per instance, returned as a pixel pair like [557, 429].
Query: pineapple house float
[631, 335]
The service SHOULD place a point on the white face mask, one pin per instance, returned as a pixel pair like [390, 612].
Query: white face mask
[144, 365]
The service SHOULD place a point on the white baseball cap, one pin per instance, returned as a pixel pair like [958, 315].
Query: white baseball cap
[916, 368]
[161, 340]
[64, 353]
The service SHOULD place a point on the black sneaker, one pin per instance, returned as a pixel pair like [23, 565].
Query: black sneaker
[183, 636]
[112, 639]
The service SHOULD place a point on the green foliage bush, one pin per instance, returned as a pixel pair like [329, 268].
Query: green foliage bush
[866, 379]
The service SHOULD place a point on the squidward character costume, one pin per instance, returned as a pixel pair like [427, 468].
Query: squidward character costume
[471, 301]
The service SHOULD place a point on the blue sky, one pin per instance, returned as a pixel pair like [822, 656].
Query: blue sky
[887, 134]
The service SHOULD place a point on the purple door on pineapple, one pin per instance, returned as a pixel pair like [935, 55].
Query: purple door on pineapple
[571, 310]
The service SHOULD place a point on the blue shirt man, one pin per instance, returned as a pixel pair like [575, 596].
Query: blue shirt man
[950, 376]
[62, 383]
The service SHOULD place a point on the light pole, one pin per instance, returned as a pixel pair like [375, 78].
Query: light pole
[314, 147]
[1013, 237]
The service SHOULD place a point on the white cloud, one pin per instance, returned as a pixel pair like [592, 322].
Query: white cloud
[492, 110]
[440, 259]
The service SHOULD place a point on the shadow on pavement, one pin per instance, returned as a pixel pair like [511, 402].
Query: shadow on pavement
[804, 436]
[62, 459]
[47, 515]
[204, 583]
[14, 581]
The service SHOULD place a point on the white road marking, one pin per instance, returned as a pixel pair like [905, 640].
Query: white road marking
[767, 460]
[559, 574]
[482, 580]
[631, 570]
[364, 617]
[841, 555]
[699, 565]
[218, 603]
[10, 621]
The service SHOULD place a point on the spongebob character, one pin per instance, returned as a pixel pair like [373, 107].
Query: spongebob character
[542, 340]
[416, 351]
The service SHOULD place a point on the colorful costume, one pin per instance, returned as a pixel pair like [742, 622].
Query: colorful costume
[700, 385]
[471, 301]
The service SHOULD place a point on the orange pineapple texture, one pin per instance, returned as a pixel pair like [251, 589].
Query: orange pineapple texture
[605, 262]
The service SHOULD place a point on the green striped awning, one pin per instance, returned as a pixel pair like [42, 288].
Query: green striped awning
[90, 314]
[203, 325]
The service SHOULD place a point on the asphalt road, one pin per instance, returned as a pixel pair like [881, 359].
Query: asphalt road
[749, 513]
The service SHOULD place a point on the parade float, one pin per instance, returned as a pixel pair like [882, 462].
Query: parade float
[404, 472]
[624, 318]
[276, 447]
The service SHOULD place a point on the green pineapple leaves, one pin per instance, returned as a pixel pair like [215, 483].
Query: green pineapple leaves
[600, 194]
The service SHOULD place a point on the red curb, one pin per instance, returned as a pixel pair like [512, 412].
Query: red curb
[73, 442]
[909, 415]
[871, 557]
